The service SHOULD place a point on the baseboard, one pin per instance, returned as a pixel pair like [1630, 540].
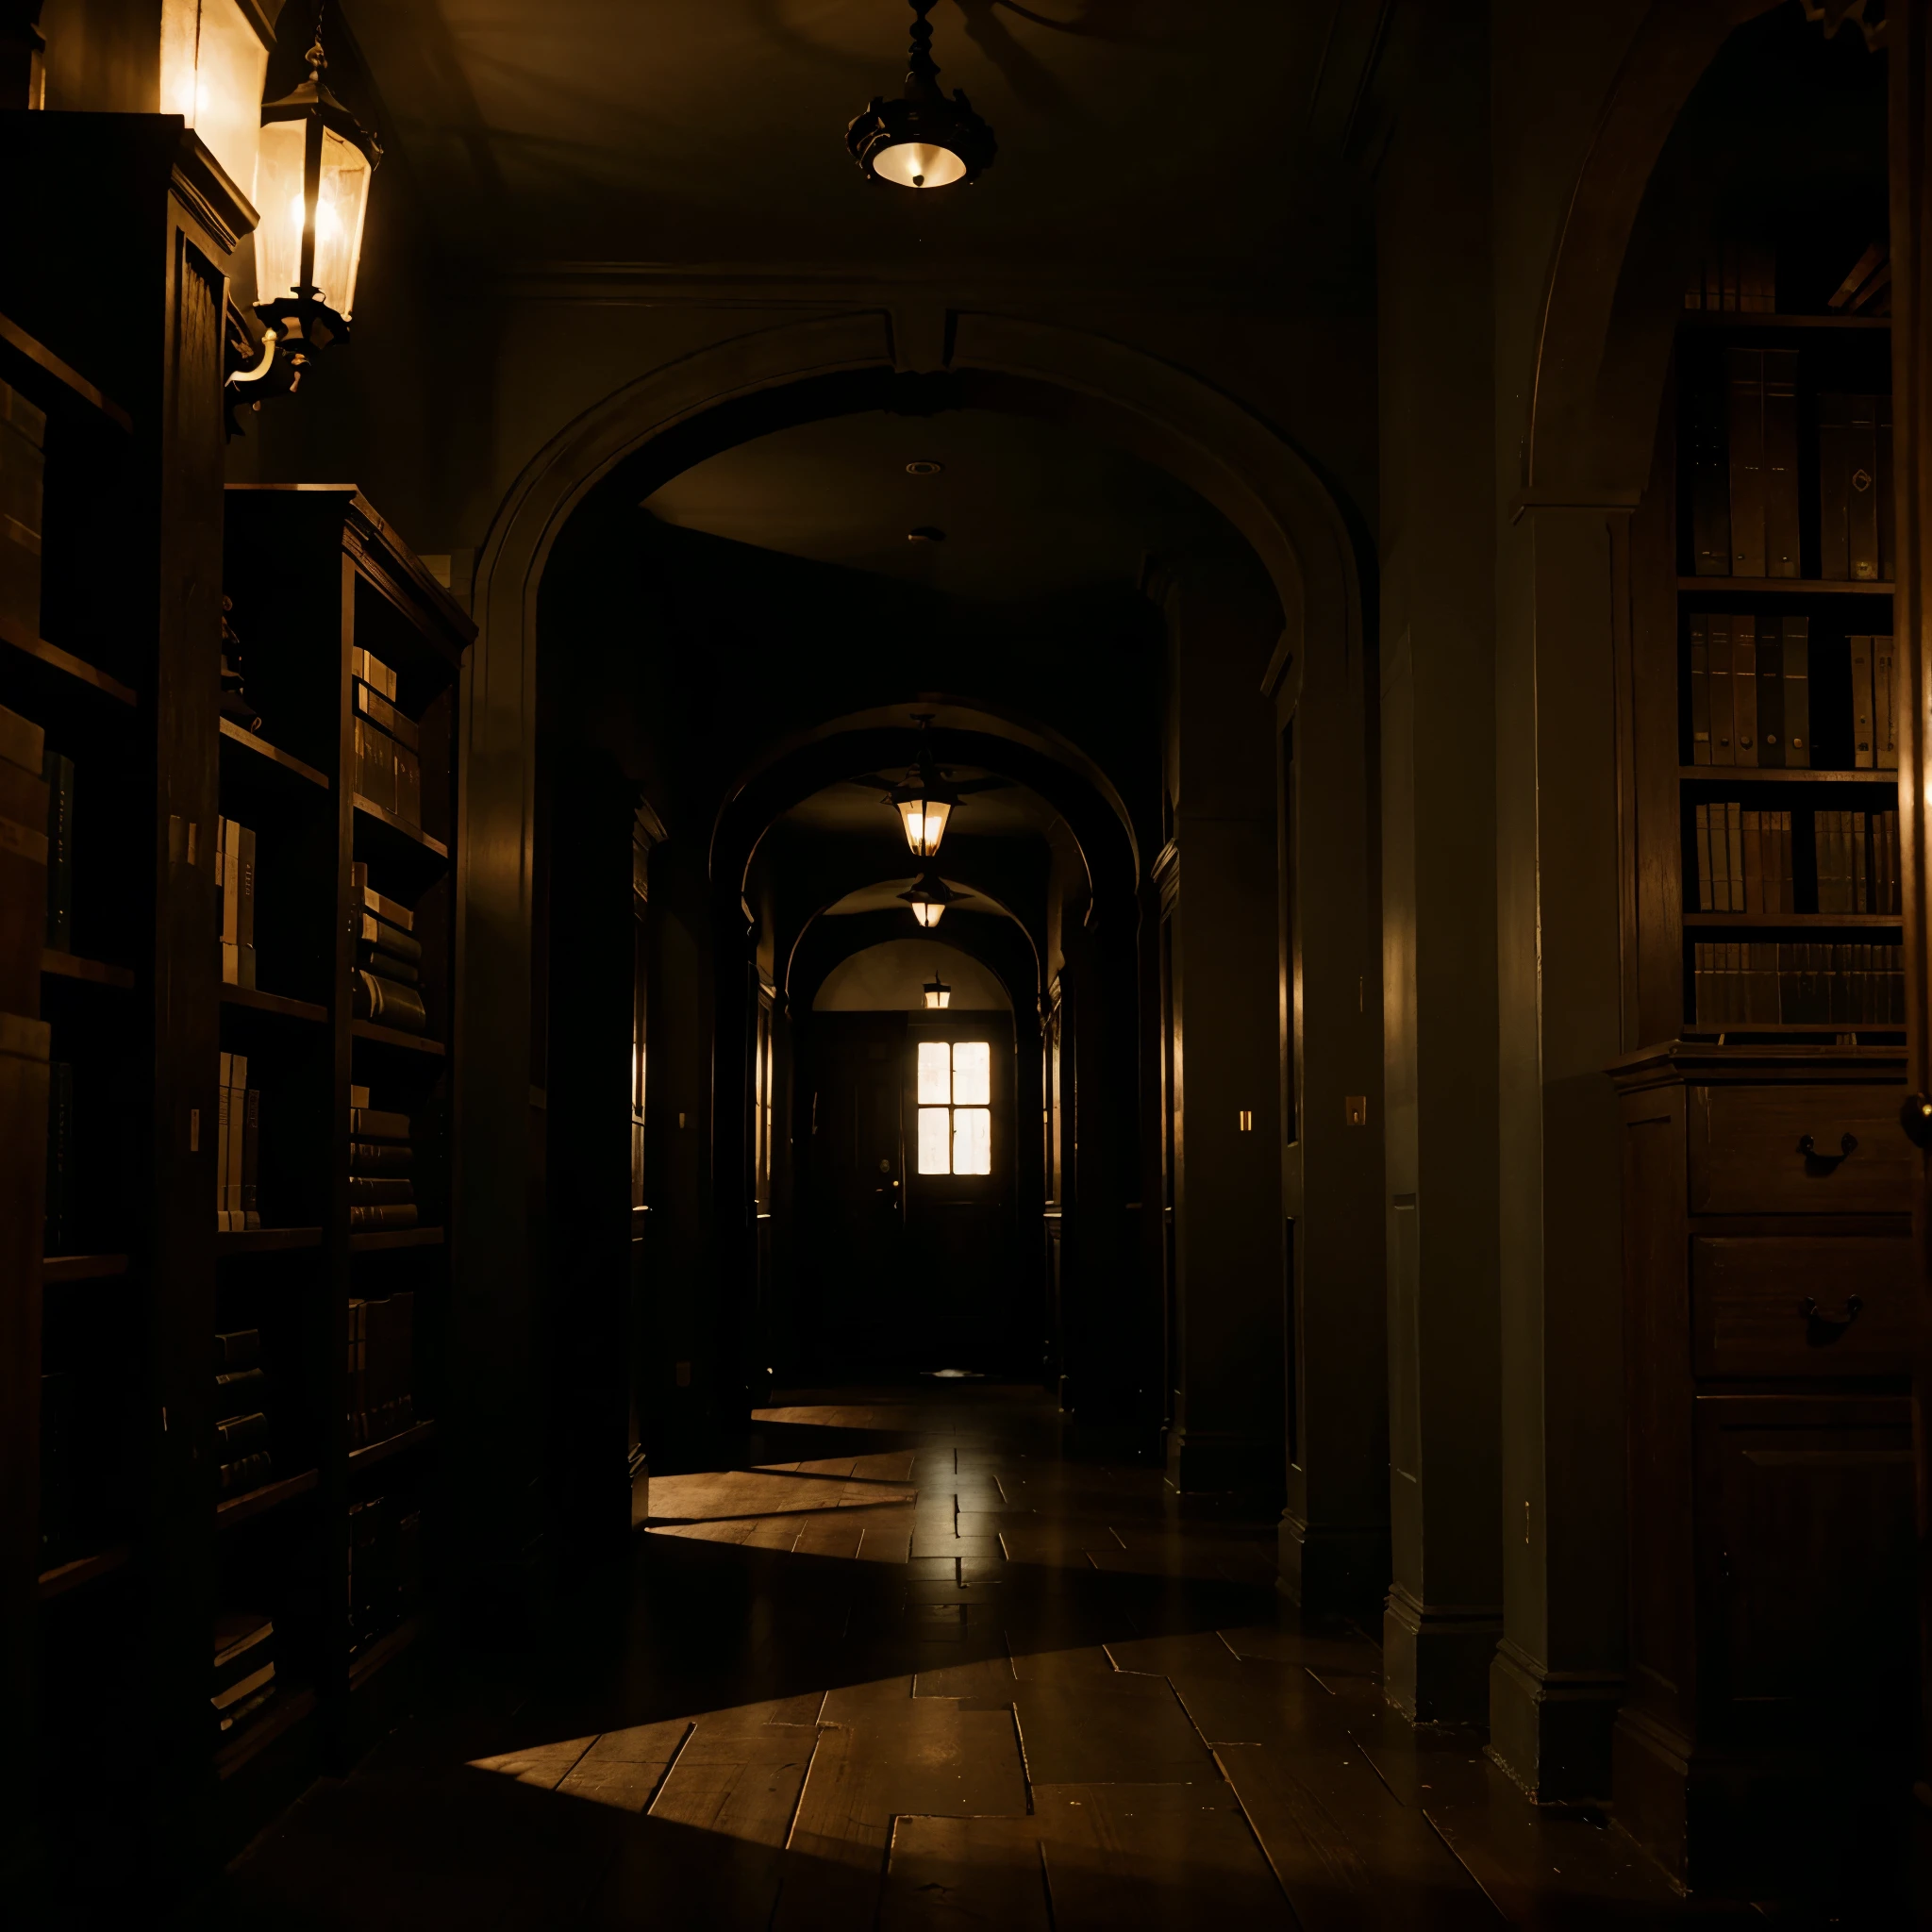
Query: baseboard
[1334, 1571]
[1436, 1658]
[1550, 1730]
[1224, 1461]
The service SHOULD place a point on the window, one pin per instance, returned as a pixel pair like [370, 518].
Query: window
[955, 1107]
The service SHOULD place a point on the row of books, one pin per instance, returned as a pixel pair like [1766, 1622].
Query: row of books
[1737, 277]
[386, 745]
[1805, 983]
[388, 986]
[1744, 460]
[23, 474]
[382, 1189]
[238, 1148]
[1744, 861]
[243, 1453]
[385, 1581]
[235, 900]
[1858, 868]
[243, 1682]
[1750, 689]
[381, 1368]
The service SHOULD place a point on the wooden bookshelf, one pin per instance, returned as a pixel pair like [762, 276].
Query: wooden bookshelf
[93, 972]
[67, 1576]
[83, 1267]
[266, 1240]
[231, 1512]
[291, 1707]
[373, 1240]
[1732, 1185]
[316, 577]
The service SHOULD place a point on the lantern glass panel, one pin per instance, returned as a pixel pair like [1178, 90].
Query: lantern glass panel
[925, 820]
[278, 194]
[929, 916]
[340, 209]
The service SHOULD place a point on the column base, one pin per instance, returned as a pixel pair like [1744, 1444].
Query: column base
[1224, 1461]
[1435, 1659]
[1550, 1730]
[1333, 1571]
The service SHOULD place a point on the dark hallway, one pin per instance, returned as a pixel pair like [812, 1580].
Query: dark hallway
[911, 1667]
[965, 962]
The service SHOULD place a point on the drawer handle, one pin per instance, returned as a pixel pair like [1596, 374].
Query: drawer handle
[1822, 1330]
[1915, 1117]
[1817, 1163]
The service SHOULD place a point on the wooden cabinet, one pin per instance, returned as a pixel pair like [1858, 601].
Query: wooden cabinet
[1770, 1285]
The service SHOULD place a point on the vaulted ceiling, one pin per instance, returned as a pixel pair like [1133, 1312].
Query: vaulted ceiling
[1133, 133]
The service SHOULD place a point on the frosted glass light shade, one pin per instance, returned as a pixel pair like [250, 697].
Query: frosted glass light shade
[925, 820]
[918, 164]
[341, 206]
[929, 916]
[938, 995]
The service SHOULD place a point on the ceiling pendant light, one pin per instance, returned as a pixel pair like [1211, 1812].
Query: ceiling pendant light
[929, 895]
[925, 797]
[938, 995]
[921, 140]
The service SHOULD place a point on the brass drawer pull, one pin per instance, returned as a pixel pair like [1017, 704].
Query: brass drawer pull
[1822, 1330]
[1820, 1163]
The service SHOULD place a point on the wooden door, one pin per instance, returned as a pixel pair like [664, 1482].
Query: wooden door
[854, 1207]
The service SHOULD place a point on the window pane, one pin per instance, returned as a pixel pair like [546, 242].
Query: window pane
[972, 1073]
[935, 1080]
[971, 1139]
[932, 1141]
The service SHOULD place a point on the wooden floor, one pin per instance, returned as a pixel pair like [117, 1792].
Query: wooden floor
[911, 1668]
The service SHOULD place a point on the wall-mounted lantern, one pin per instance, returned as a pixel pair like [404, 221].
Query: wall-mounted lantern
[312, 177]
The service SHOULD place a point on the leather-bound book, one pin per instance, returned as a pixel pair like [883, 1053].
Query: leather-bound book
[1744, 686]
[1744, 420]
[1700, 690]
[1834, 485]
[1863, 737]
[1796, 713]
[1723, 749]
[1861, 519]
[1710, 487]
[1888, 507]
[1780, 474]
[1884, 705]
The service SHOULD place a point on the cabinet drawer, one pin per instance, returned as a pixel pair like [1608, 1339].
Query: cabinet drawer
[1800, 1150]
[1803, 1306]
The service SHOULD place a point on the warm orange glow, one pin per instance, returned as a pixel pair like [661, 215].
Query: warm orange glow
[927, 916]
[918, 164]
[925, 820]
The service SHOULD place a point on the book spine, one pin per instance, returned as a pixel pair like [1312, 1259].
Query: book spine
[1797, 692]
[1703, 835]
[1861, 704]
[1834, 486]
[1887, 506]
[1770, 695]
[1860, 895]
[225, 1095]
[1884, 705]
[1781, 464]
[1734, 857]
[1754, 864]
[1861, 521]
[368, 1214]
[251, 1157]
[1710, 494]
[242, 1435]
[247, 1473]
[1744, 389]
[1724, 716]
[1700, 690]
[1744, 686]
[244, 916]
[380, 1156]
[60, 777]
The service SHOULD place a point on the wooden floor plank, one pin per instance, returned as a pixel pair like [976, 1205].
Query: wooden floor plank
[943, 1873]
[1155, 1858]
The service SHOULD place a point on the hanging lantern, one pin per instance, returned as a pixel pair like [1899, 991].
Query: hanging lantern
[926, 797]
[938, 995]
[923, 139]
[312, 184]
[929, 895]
